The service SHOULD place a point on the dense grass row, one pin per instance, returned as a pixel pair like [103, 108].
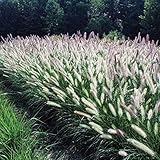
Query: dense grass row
[113, 88]
[17, 142]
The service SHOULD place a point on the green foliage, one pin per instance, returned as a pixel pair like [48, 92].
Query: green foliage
[75, 15]
[99, 25]
[151, 18]
[129, 12]
[8, 16]
[111, 9]
[22, 17]
[40, 17]
[54, 16]
[99, 21]
[16, 139]
[112, 35]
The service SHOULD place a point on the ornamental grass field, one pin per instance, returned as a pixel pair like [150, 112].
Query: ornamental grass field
[111, 88]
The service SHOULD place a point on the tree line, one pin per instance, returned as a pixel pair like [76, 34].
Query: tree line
[41, 17]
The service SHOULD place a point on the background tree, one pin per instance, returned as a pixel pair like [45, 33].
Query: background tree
[111, 10]
[22, 17]
[129, 13]
[99, 20]
[54, 17]
[40, 17]
[75, 14]
[151, 19]
[9, 17]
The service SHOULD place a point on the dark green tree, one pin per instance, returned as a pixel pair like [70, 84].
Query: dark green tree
[32, 17]
[111, 9]
[54, 17]
[75, 15]
[129, 13]
[99, 20]
[40, 17]
[151, 19]
[8, 17]
[22, 17]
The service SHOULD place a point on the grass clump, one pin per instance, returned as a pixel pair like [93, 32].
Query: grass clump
[113, 88]
[16, 139]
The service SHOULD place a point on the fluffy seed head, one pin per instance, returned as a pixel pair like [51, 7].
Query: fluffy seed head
[91, 111]
[106, 136]
[156, 128]
[96, 127]
[141, 146]
[83, 114]
[85, 126]
[123, 153]
[112, 131]
[150, 114]
[112, 109]
[89, 104]
[139, 131]
[149, 126]
[51, 103]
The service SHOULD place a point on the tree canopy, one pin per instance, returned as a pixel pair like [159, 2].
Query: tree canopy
[40, 17]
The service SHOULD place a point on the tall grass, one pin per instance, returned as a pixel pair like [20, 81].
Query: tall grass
[113, 88]
[16, 139]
